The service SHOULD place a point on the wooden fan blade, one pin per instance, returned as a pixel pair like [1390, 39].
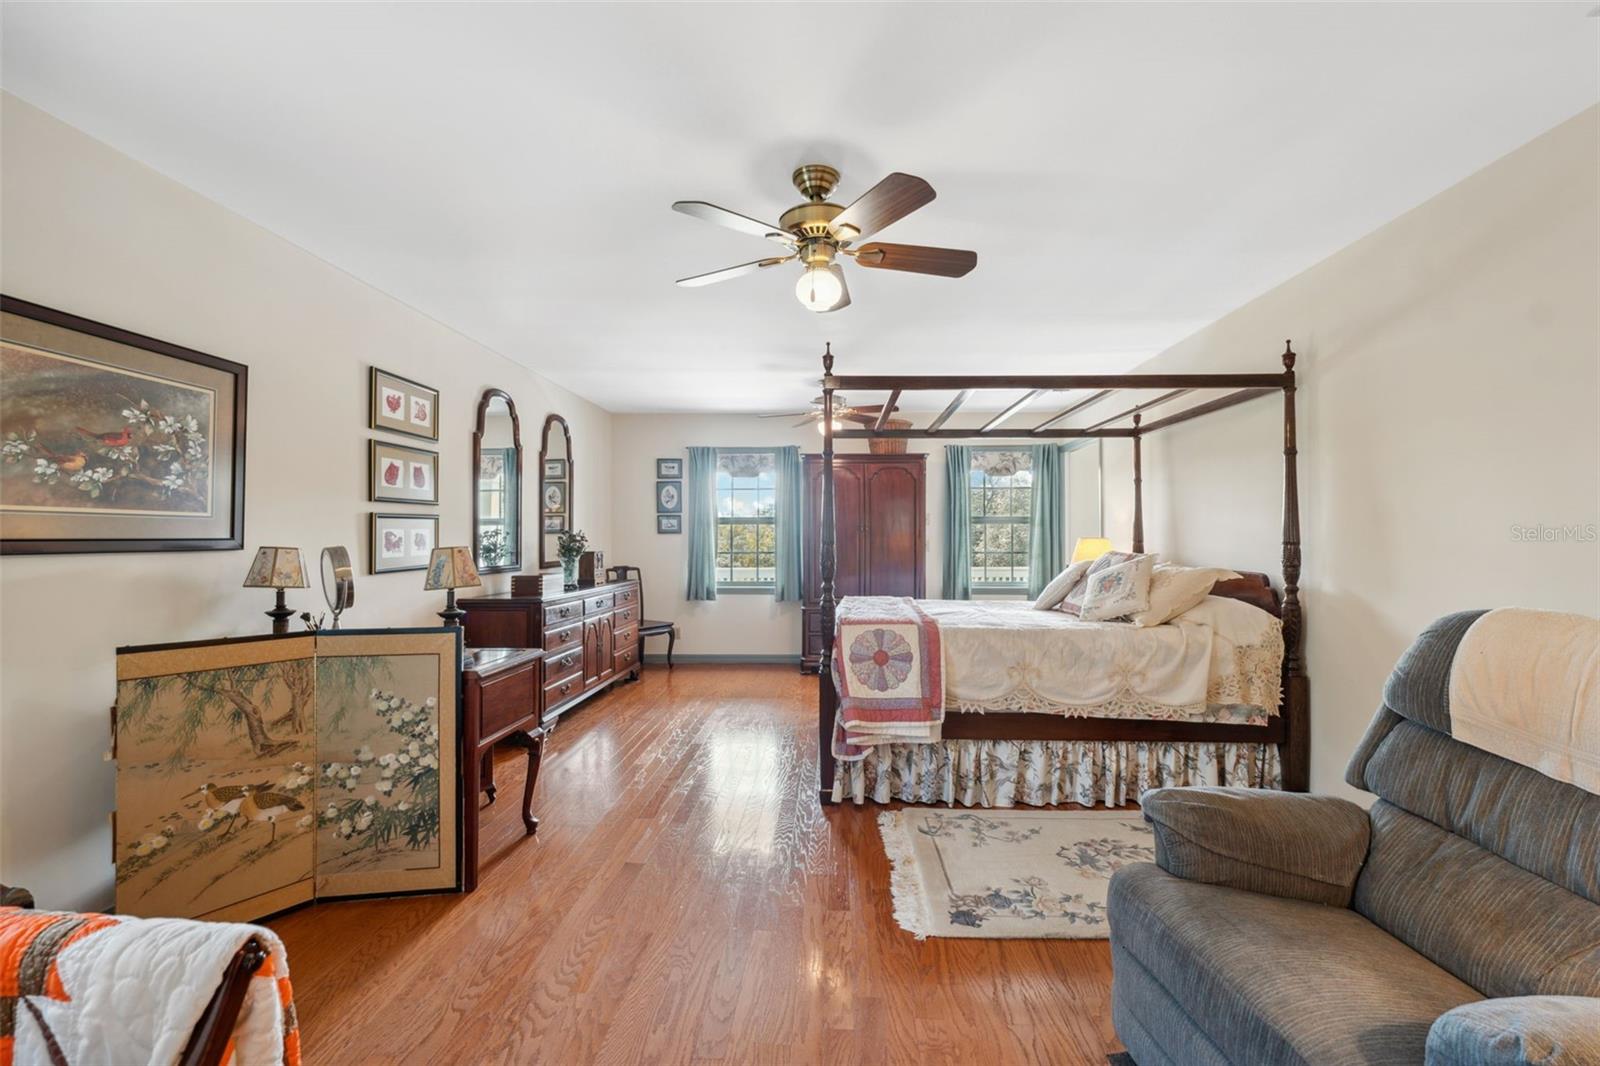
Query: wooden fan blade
[917, 258]
[785, 414]
[731, 272]
[890, 200]
[733, 220]
[814, 416]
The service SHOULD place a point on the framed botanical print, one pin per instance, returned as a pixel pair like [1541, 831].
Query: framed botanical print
[669, 468]
[669, 497]
[555, 497]
[669, 523]
[400, 405]
[115, 442]
[402, 542]
[401, 474]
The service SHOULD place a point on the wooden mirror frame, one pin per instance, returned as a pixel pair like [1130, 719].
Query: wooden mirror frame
[489, 396]
[544, 446]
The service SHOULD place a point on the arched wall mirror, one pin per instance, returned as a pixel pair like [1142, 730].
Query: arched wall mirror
[497, 473]
[555, 488]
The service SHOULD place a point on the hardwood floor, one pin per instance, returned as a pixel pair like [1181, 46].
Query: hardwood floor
[687, 900]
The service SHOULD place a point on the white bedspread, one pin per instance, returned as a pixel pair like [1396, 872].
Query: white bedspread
[1218, 662]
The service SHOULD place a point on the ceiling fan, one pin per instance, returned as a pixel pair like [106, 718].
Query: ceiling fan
[817, 233]
[866, 414]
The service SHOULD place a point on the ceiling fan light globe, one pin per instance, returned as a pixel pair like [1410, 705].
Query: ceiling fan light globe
[821, 422]
[820, 288]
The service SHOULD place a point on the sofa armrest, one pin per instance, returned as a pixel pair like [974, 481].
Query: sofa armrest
[1518, 1031]
[1276, 843]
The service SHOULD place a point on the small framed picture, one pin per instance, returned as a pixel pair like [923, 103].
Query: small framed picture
[401, 542]
[555, 497]
[555, 470]
[669, 497]
[400, 474]
[669, 468]
[669, 523]
[555, 523]
[400, 405]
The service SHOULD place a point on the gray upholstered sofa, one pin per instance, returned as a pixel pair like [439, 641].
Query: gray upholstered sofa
[1457, 923]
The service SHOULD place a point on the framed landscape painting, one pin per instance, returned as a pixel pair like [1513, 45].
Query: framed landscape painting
[400, 405]
[402, 542]
[401, 474]
[115, 442]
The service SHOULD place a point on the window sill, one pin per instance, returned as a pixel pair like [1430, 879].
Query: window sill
[746, 590]
[1000, 590]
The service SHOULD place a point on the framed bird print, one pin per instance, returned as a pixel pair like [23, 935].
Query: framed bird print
[400, 405]
[115, 442]
[257, 773]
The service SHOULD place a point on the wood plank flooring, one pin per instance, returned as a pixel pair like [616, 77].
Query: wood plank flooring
[687, 900]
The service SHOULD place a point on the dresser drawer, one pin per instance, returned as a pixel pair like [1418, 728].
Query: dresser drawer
[625, 657]
[599, 604]
[627, 594]
[560, 692]
[623, 617]
[562, 665]
[557, 613]
[508, 699]
[559, 638]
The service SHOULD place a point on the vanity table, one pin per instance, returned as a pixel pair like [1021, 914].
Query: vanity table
[502, 702]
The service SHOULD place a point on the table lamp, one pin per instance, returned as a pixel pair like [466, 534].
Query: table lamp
[1090, 548]
[451, 569]
[277, 568]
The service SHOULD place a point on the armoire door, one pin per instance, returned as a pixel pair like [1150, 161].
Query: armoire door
[848, 493]
[893, 541]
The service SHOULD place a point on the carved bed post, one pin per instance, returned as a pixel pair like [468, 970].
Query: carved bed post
[1296, 751]
[827, 695]
[1138, 488]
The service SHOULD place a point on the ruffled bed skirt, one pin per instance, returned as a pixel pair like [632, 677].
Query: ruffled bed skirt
[1008, 773]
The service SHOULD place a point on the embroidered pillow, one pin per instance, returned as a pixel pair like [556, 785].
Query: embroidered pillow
[1175, 589]
[1060, 585]
[1118, 591]
[1073, 604]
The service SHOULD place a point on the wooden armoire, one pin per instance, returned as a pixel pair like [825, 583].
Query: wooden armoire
[880, 509]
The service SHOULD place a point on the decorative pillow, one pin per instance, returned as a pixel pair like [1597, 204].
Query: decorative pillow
[1062, 584]
[1175, 589]
[1118, 591]
[1073, 604]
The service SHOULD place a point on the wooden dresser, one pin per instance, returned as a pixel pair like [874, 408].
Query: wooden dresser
[590, 637]
[880, 509]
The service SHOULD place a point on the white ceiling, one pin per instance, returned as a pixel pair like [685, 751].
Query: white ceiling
[1127, 173]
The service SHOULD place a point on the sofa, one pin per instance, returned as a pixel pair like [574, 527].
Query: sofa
[1455, 923]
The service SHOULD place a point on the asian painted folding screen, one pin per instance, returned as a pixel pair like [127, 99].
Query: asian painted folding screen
[256, 774]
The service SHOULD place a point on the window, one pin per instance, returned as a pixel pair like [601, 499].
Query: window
[497, 507]
[1001, 488]
[747, 495]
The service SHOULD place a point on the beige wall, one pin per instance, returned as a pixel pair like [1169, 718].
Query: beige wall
[1448, 393]
[750, 624]
[90, 231]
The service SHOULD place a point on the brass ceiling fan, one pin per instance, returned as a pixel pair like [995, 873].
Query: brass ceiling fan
[866, 414]
[817, 233]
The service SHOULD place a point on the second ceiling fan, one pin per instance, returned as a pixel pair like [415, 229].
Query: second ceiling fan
[818, 233]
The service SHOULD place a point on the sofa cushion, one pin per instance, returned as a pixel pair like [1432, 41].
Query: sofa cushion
[1141, 1008]
[1419, 687]
[1544, 826]
[1270, 980]
[1499, 928]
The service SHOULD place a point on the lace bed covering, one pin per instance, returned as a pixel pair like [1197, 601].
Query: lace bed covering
[1221, 661]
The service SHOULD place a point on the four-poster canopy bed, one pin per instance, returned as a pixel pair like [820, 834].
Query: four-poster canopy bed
[1285, 730]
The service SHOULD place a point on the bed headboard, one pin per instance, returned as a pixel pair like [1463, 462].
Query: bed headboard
[1252, 587]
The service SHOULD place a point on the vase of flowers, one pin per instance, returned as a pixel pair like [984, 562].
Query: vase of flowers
[569, 545]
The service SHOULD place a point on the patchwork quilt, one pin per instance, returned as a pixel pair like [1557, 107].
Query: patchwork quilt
[888, 667]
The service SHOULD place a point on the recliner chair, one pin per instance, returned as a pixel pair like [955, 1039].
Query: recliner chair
[1457, 923]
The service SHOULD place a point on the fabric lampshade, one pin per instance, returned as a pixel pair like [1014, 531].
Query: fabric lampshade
[451, 568]
[1090, 548]
[276, 568]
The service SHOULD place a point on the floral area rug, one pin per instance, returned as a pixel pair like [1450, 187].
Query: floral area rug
[1012, 873]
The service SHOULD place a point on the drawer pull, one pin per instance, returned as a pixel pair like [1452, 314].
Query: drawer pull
[564, 611]
[566, 688]
[567, 636]
[627, 656]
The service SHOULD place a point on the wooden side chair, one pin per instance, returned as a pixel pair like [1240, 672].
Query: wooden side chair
[647, 627]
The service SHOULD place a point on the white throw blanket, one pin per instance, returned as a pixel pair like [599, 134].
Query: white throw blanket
[1525, 685]
[1219, 661]
[136, 988]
